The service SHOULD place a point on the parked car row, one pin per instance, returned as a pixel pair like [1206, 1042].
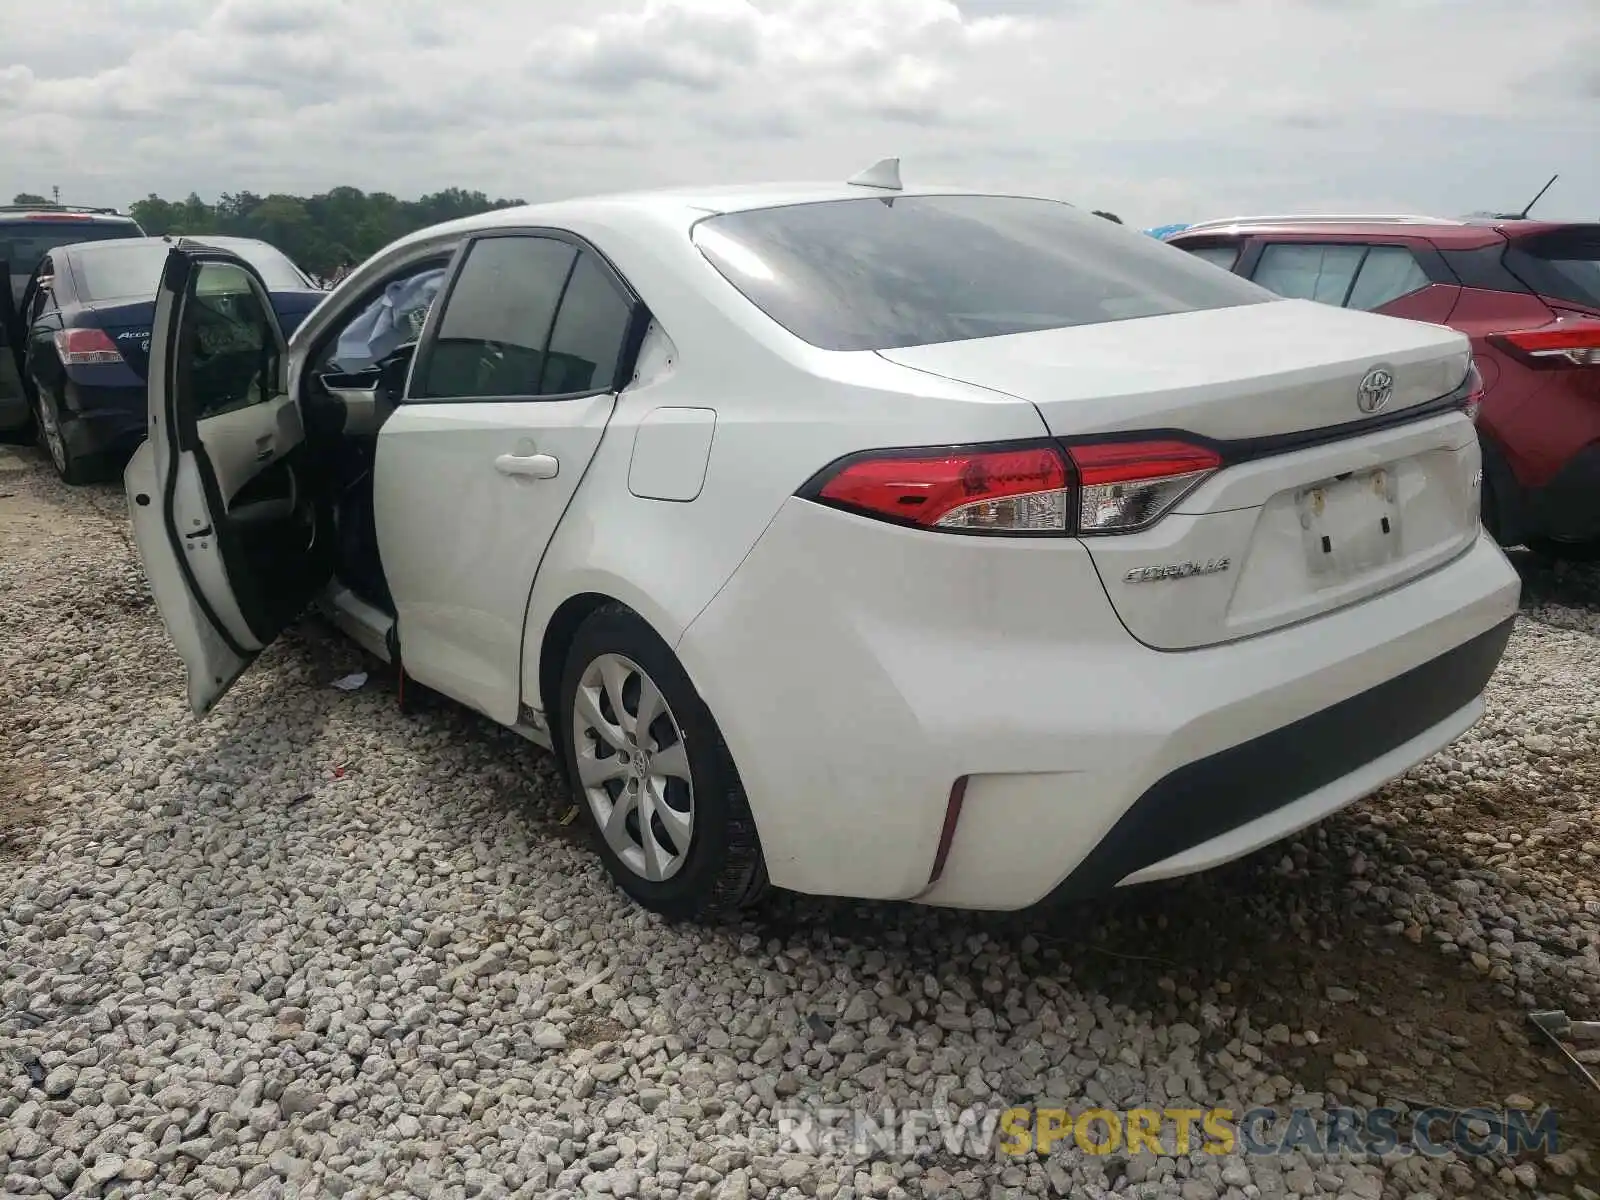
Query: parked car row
[1527, 293]
[75, 328]
[859, 539]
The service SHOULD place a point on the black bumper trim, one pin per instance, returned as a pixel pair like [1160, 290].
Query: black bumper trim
[1233, 787]
[1568, 506]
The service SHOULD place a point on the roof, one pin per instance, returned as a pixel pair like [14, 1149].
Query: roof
[44, 213]
[677, 208]
[1445, 231]
[1463, 233]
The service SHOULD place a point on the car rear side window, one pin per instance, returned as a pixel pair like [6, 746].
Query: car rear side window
[496, 320]
[1387, 273]
[1217, 256]
[589, 335]
[1298, 272]
[881, 272]
[1350, 275]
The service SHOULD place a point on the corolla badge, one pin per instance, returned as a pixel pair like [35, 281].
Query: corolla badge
[1182, 570]
[1376, 390]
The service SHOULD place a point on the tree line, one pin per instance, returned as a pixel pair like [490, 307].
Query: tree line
[321, 232]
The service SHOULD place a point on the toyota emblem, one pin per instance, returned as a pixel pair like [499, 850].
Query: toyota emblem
[1376, 390]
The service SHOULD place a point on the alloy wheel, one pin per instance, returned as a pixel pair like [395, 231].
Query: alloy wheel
[633, 766]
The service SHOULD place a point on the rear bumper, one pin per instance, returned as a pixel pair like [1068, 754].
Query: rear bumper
[1236, 800]
[859, 670]
[103, 420]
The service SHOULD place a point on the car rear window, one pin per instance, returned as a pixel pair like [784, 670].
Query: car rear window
[134, 269]
[1564, 265]
[24, 243]
[882, 272]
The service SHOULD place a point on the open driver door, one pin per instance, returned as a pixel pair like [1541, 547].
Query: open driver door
[230, 509]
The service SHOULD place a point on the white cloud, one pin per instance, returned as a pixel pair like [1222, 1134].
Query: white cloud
[1164, 110]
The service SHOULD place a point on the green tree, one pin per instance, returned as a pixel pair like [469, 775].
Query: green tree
[319, 232]
[28, 198]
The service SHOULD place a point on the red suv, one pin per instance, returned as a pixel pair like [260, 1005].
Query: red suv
[1528, 295]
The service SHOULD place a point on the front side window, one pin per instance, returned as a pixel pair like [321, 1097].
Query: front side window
[876, 273]
[228, 346]
[392, 319]
[496, 321]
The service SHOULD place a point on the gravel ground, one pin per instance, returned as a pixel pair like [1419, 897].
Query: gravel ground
[315, 947]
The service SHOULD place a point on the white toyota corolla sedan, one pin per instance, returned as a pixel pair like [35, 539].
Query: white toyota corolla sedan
[864, 540]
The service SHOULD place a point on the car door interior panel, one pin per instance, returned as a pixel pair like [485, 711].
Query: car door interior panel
[247, 524]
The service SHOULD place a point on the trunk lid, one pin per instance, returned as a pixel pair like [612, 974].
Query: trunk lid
[1348, 505]
[1225, 373]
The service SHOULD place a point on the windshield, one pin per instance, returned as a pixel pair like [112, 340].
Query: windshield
[134, 268]
[882, 272]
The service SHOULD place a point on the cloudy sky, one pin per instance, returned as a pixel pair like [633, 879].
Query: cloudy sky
[1162, 110]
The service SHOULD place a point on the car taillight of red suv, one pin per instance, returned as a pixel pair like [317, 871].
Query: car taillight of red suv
[1528, 295]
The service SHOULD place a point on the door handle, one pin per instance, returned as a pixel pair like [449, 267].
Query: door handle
[531, 466]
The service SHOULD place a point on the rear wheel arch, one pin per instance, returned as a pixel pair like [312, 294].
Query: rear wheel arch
[553, 647]
[723, 868]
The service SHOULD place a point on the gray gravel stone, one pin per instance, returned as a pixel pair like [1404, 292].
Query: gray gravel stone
[314, 946]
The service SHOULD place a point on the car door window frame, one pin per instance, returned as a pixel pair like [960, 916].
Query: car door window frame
[181, 378]
[43, 291]
[638, 319]
[432, 258]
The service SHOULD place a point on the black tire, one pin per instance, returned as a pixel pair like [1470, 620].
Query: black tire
[74, 468]
[1588, 551]
[722, 869]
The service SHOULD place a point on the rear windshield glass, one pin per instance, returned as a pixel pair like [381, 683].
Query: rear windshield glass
[1563, 266]
[24, 243]
[877, 273]
[134, 269]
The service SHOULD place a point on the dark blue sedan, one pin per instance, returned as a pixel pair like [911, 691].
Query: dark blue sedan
[87, 314]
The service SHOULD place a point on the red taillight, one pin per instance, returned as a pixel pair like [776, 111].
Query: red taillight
[1563, 343]
[1043, 488]
[45, 216]
[1131, 485]
[998, 490]
[85, 347]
